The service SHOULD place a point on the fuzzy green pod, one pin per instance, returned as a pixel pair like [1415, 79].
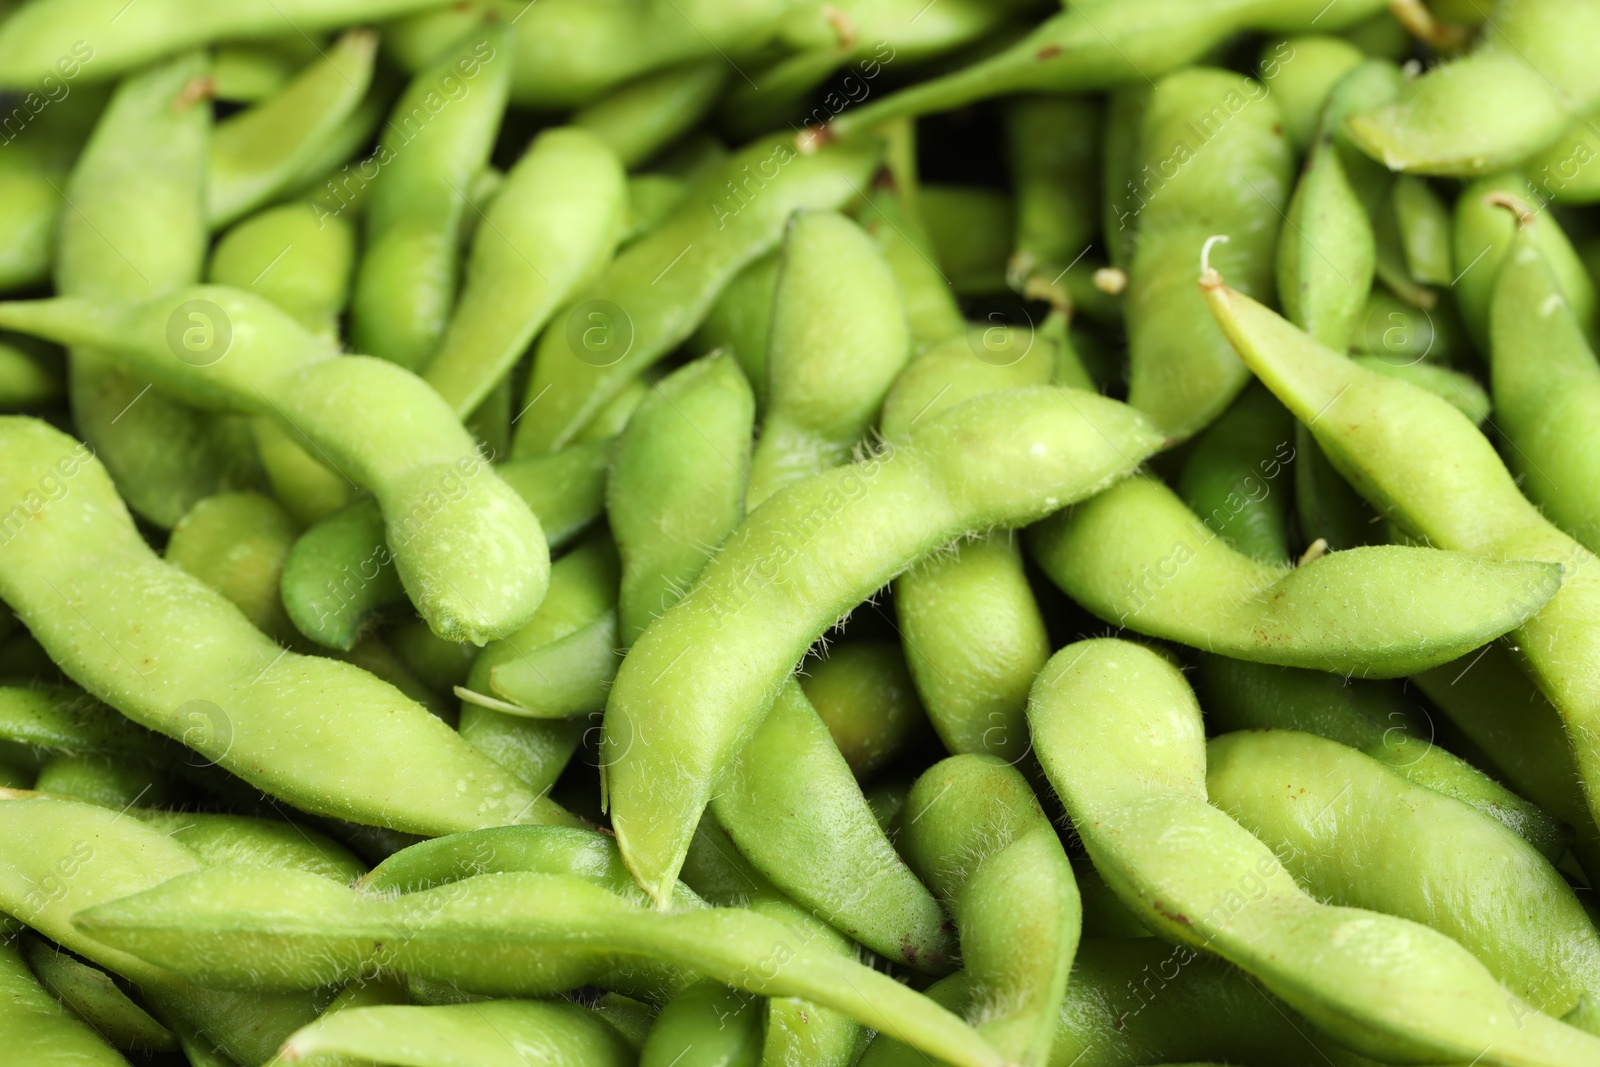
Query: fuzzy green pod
[221, 840]
[813, 552]
[38, 1028]
[1381, 434]
[1231, 476]
[471, 553]
[102, 780]
[975, 832]
[1053, 152]
[1119, 735]
[658, 289]
[236, 543]
[292, 258]
[1302, 72]
[706, 1023]
[838, 337]
[1547, 391]
[640, 118]
[1513, 95]
[91, 995]
[1345, 826]
[1136, 557]
[1214, 160]
[269, 149]
[550, 228]
[831, 856]
[93, 593]
[1326, 256]
[930, 303]
[28, 377]
[677, 485]
[741, 318]
[316, 929]
[865, 697]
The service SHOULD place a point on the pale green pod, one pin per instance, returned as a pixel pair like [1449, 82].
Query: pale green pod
[471, 553]
[91, 994]
[651, 198]
[1137, 557]
[299, 262]
[741, 318]
[1375, 718]
[1231, 476]
[1119, 735]
[1053, 153]
[969, 228]
[1301, 72]
[707, 1023]
[1513, 95]
[831, 856]
[677, 485]
[838, 337]
[551, 227]
[236, 544]
[1423, 224]
[644, 116]
[864, 695]
[1563, 172]
[437, 140]
[658, 289]
[930, 303]
[1547, 391]
[813, 552]
[139, 187]
[38, 1029]
[975, 832]
[273, 147]
[248, 71]
[1462, 391]
[1120, 198]
[1326, 255]
[317, 928]
[104, 780]
[1383, 434]
[27, 378]
[1358, 835]
[1214, 161]
[89, 588]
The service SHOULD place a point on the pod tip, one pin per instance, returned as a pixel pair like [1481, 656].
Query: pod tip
[1210, 278]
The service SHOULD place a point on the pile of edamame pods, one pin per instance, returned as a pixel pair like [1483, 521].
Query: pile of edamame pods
[783, 533]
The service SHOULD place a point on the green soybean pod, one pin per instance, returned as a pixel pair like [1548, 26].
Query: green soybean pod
[268, 149]
[91, 995]
[212, 679]
[63, 855]
[830, 854]
[975, 832]
[678, 699]
[1219, 163]
[220, 839]
[651, 198]
[677, 484]
[299, 262]
[1120, 200]
[236, 543]
[1374, 718]
[1468, 502]
[33, 166]
[1484, 234]
[586, 854]
[139, 187]
[1444, 864]
[930, 303]
[1513, 95]
[972, 631]
[1301, 72]
[1119, 735]
[864, 695]
[1462, 391]
[1136, 557]
[1231, 476]
[838, 337]
[1562, 172]
[468, 548]
[706, 1023]
[28, 377]
[501, 1033]
[1324, 502]
[102, 780]
[550, 229]
[1546, 389]
[60, 719]
[969, 228]
[657, 290]
[1053, 152]
[194, 923]
[644, 116]
[1402, 334]
[740, 320]
[247, 71]
[1423, 223]
[38, 1028]
[406, 280]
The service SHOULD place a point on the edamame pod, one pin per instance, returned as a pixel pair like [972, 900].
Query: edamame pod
[26, 379]
[837, 339]
[930, 303]
[1547, 391]
[976, 833]
[831, 855]
[1136, 557]
[406, 281]
[316, 928]
[297, 261]
[646, 115]
[1374, 718]
[1119, 735]
[864, 695]
[1358, 835]
[585, 854]
[1231, 476]
[741, 318]
[792, 568]
[659, 288]
[677, 485]
[1518, 90]
[498, 1033]
[87, 586]
[470, 552]
[236, 544]
[102, 780]
[1053, 151]
[38, 1029]
[1303, 71]
[275, 145]
[1467, 501]
[706, 1023]
[1215, 160]
[91, 994]
[549, 230]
